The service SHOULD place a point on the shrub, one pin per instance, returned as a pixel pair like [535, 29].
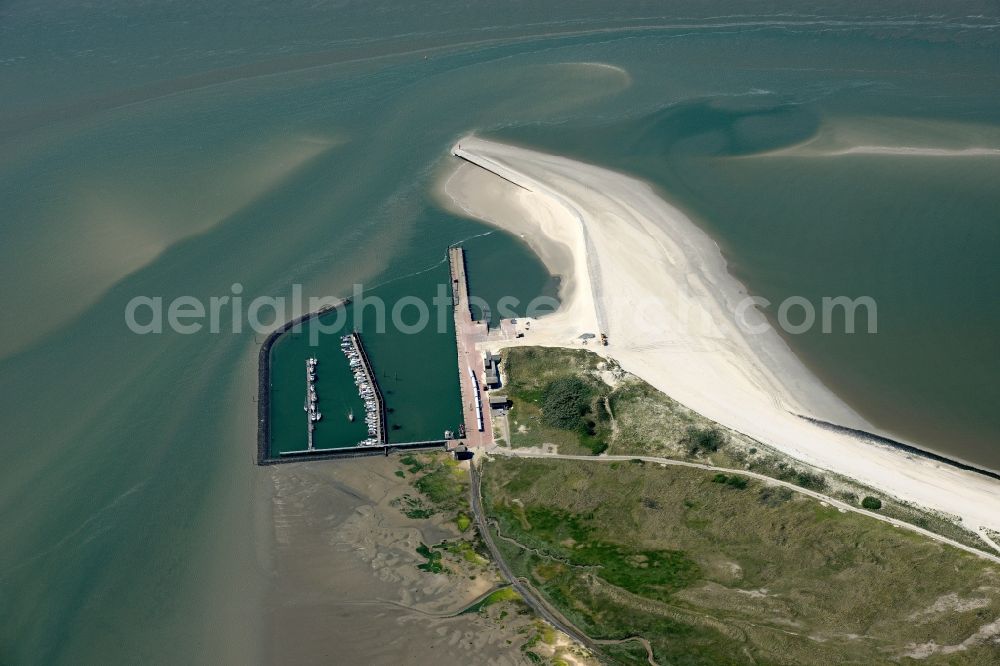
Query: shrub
[704, 440]
[806, 479]
[433, 563]
[412, 462]
[773, 496]
[810, 480]
[737, 482]
[564, 402]
[599, 448]
[871, 503]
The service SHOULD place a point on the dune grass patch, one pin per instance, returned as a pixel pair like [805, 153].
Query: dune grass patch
[712, 570]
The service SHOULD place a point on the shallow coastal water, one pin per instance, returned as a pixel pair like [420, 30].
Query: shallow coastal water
[297, 144]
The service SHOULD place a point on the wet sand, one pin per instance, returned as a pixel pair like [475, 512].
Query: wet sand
[345, 584]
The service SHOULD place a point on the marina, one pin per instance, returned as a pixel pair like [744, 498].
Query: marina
[334, 425]
[351, 416]
[312, 409]
[368, 389]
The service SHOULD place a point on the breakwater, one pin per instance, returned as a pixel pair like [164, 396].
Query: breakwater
[264, 378]
[900, 446]
[356, 452]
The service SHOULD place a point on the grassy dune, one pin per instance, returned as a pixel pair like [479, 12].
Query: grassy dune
[624, 415]
[712, 571]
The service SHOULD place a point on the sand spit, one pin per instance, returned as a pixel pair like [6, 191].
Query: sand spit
[900, 137]
[912, 151]
[638, 269]
[917, 151]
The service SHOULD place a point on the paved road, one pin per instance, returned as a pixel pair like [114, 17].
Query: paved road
[527, 592]
[522, 453]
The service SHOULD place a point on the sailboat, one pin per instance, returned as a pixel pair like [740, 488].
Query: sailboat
[350, 415]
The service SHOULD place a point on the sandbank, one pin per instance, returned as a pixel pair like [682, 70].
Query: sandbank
[638, 269]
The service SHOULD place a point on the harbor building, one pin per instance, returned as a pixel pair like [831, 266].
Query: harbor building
[491, 373]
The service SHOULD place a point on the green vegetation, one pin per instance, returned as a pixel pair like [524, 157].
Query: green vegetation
[652, 572]
[466, 550]
[413, 507]
[442, 485]
[704, 440]
[785, 472]
[623, 415]
[557, 397]
[630, 653]
[871, 503]
[433, 563]
[441, 492]
[565, 401]
[774, 496]
[412, 462]
[498, 596]
[733, 481]
[539, 647]
[446, 485]
[709, 575]
[562, 397]
[533, 658]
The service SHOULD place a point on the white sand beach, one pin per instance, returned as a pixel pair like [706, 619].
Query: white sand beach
[638, 269]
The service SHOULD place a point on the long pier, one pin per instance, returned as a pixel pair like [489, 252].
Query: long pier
[459, 282]
[468, 332]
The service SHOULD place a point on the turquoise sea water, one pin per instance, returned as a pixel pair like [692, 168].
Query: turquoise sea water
[174, 150]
